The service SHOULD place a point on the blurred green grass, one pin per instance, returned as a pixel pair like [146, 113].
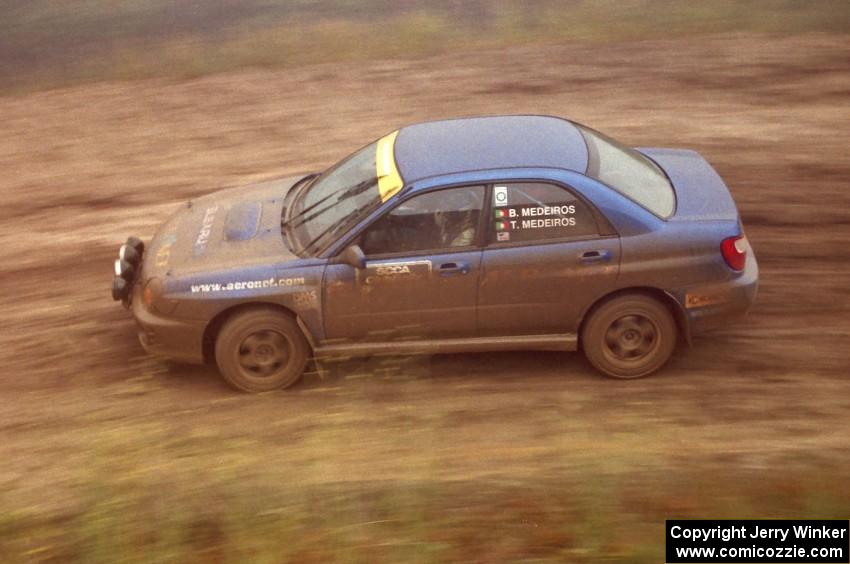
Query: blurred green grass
[47, 44]
[144, 492]
[576, 517]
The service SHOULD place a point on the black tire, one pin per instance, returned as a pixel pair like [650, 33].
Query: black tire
[261, 349]
[629, 336]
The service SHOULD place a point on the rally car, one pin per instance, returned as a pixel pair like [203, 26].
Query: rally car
[478, 234]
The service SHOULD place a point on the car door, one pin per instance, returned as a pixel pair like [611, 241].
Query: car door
[423, 261]
[546, 259]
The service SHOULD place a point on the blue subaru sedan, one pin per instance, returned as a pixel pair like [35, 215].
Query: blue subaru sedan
[478, 234]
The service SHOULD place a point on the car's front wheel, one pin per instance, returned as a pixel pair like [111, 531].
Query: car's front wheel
[629, 336]
[261, 349]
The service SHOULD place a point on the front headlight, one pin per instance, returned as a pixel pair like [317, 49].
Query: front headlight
[153, 297]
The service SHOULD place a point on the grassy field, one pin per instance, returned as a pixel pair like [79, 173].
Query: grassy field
[44, 43]
[585, 516]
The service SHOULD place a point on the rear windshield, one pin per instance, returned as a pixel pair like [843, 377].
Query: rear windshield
[628, 172]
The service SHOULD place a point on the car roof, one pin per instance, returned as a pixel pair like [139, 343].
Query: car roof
[454, 146]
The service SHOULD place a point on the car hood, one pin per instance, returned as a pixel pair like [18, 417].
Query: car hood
[230, 228]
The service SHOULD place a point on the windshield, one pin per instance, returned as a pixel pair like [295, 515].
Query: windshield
[628, 172]
[334, 201]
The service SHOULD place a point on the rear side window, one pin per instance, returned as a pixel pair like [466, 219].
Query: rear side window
[535, 211]
[628, 172]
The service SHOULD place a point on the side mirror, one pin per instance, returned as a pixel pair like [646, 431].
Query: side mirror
[352, 256]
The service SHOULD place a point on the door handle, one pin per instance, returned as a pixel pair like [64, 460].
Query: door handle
[591, 257]
[452, 268]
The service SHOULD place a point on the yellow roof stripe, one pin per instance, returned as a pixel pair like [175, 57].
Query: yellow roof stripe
[389, 180]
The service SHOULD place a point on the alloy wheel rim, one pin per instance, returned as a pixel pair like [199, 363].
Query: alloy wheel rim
[264, 353]
[631, 338]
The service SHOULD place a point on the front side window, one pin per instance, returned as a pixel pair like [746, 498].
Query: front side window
[446, 219]
[536, 211]
[628, 172]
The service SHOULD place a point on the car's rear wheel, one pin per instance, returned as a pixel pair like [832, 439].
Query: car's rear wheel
[261, 349]
[629, 336]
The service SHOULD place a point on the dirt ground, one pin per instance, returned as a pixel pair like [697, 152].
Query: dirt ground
[82, 168]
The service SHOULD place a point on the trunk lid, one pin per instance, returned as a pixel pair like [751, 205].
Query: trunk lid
[701, 195]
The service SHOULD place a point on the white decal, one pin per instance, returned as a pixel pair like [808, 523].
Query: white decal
[247, 285]
[547, 210]
[500, 196]
[396, 270]
[391, 269]
[548, 222]
[206, 229]
[563, 217]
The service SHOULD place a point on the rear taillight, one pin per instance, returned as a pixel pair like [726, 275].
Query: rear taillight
[734, 251]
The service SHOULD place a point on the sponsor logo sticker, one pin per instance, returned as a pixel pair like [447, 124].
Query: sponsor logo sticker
[164, 251]
[206, 229]
[247, 285]
[391, 271]
[500, 196]
[702, 300]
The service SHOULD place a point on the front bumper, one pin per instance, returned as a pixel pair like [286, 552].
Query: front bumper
[159, 335]
[176, 339]
[712, 306]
